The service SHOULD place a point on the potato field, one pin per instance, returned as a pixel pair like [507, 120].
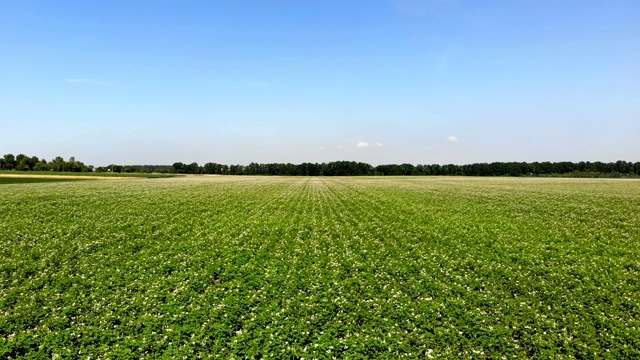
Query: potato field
[298, 267]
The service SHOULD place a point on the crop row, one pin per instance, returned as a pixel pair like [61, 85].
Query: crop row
[224, 267]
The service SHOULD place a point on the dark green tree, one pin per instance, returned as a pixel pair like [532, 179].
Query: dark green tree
[9, 162]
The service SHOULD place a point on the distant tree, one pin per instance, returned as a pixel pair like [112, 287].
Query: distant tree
[209, 168]
[23, 164]
[623, 167]
[42, 166]
[114, 168]
[9, 162]
[178, 168]
[193, 168]
[337, 168]
[406, 169]
[236, 169]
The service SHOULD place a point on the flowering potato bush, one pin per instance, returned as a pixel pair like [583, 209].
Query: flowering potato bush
[260, 267]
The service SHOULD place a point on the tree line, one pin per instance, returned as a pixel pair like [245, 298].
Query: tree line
[339, 168]
[352, 168]
[23, 162]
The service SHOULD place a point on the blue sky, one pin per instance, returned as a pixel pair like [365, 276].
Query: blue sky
[417, 81]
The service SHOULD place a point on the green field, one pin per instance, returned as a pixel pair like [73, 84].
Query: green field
[244, 267]
[86, 174]
[32, 180]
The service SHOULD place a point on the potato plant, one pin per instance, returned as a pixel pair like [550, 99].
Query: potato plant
[358, 268]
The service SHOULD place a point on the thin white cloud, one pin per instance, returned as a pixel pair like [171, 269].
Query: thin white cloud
[86, 81]
[362, 144]
[379, 144]
[322, 148]
[452, 139]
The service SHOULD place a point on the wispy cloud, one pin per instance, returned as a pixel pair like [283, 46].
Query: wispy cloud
[362, 144]
[379, 144]
[86, 81]
[452, 139]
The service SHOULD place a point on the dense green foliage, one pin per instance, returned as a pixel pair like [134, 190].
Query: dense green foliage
[278, 267]
[619, 169]
[127, 169]
[352, 168]
[26, 163]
